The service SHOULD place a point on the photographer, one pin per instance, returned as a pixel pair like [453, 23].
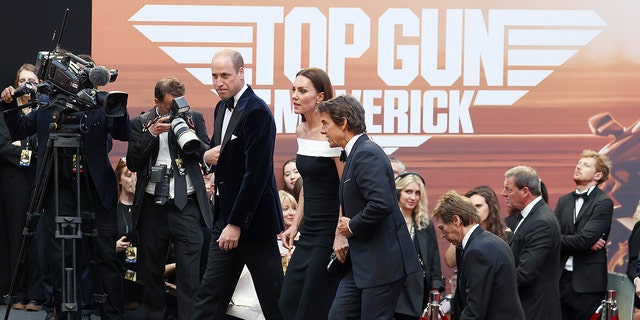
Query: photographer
[170, 196]
[98, 188]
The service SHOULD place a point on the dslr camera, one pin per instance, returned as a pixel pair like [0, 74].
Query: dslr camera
[181, 124]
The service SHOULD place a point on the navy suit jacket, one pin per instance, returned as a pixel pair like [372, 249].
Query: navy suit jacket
[488, 286]
[593, 222]
[380, 250]
[97, 142]
[536, 250]
[244, 177]
[142, 153]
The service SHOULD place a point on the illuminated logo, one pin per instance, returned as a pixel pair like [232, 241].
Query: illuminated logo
[490, 58]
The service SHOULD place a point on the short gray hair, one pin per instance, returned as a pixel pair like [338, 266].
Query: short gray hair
[524, 176]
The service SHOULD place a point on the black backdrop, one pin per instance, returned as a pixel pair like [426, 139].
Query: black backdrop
[28, 26]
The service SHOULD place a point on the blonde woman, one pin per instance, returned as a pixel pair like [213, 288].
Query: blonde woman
[412, 199]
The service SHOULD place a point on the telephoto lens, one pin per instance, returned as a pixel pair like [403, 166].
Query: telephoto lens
[187, 140]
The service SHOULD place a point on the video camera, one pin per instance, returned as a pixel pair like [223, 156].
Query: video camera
[70, 85]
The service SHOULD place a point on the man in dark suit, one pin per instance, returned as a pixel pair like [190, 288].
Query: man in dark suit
[175, 213]
[487, 275]
[535, 245]
[585, 220]
[247, 210]
[381, 253]
[98, 191]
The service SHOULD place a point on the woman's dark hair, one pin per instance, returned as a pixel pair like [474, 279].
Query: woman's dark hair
[320, 81]
[494, 222]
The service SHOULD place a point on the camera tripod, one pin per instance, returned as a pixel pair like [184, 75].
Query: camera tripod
[69, 229]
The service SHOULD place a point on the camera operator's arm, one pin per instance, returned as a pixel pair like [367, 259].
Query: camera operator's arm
[120, 127]
[7, 94]
[140, 145]
[143, 141]
[20, 126]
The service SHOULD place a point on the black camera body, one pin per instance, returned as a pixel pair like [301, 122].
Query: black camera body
[160, 175]
[181, 124]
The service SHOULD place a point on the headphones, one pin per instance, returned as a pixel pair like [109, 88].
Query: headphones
[405, 174]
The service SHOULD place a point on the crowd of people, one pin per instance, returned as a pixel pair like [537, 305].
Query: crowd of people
[188, 224]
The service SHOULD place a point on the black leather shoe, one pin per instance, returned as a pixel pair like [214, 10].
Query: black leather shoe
[33, 305]
[20, 305]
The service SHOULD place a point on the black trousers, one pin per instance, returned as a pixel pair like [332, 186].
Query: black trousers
[575, 305]
[223, 271]
[353, 303]
[158, 227]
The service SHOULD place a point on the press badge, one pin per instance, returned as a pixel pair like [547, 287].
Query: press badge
[25, 158]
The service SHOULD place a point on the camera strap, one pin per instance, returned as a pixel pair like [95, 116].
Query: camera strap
[189, 119]
[150, 118]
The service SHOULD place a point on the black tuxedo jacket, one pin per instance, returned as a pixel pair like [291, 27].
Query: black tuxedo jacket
[97, 142]
[381, 250]
[142, 153]
[536, 250]
[488, 286]
[592, 223]
[244, 177]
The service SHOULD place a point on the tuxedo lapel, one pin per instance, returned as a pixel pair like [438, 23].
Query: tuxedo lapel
[346, 175]
[524, 222]
[217, 124]
[586, 206]
[233, 122]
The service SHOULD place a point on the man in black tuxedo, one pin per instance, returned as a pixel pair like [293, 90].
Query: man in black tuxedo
[487, 275]
[98, 193]
[247, 210]
[585, 218]
[175, 213]
[535, 245]
[380, 251]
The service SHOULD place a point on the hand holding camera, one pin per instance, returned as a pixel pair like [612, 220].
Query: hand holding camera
[7, 94]
[161, 125]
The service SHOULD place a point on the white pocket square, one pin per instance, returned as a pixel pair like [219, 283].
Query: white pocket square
[233, 137]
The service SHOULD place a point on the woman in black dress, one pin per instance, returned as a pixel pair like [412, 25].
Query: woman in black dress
[308, 288]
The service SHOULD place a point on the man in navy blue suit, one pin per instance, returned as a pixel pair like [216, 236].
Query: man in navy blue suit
[380, 251]
[98, 189]
[247, 214]
[487, 276]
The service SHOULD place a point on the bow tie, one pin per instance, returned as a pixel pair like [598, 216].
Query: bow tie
[584, 195]
[229, 104]
[343, 156]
